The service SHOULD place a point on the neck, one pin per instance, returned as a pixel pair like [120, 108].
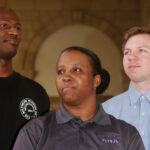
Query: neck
[6, 68]
[142, 87]
[85, 112]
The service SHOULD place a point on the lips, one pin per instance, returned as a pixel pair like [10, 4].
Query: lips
[133, 66]
[67, 88]
[13, 41]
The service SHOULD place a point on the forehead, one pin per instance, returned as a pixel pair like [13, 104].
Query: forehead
[73, 56]
[8, 15]
[139, 40]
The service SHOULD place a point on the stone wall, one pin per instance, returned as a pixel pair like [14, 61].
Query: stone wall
[40, 18]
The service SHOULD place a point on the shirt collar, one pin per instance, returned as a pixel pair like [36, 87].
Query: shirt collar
[101, 118]
[62, 115]
[135, 95]
[147, 95]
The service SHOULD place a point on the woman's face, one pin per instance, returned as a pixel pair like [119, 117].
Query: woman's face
[75, 81]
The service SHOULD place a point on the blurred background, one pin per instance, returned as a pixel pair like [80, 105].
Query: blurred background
[48, 26]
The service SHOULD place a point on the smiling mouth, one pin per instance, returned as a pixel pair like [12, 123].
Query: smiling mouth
[13, 42]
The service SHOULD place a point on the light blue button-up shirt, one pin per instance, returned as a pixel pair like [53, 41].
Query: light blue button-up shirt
[134, 108]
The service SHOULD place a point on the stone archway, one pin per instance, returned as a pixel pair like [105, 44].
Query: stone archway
[59, 22]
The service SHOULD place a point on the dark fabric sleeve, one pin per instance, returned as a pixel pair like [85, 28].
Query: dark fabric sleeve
[136, 142]
[29, 135]
[130, 137]
[25, 141]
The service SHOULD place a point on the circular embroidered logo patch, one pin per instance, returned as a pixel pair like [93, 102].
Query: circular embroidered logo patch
[28, 108]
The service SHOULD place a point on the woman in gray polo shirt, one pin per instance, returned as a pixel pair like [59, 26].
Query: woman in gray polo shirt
[80, 123]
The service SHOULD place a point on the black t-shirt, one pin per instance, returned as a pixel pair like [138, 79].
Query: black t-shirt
[21, 99]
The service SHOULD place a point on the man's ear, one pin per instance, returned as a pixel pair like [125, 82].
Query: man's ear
[97, 80]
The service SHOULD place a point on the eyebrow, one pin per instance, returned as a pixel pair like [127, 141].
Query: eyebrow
[72, 65]
[1, 19]
[77, 65]
[144, 46]
[126, 49]
[57, 67]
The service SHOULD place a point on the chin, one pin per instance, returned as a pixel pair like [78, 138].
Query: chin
[69, 101]
[136, 79]
[10, 55]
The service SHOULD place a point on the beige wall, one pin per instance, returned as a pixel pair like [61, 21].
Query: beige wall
[80, 35]
[43, 19]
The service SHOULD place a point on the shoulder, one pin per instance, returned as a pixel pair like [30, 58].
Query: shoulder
[121, 125]
[127, 131]
[36, 126]
[116, 100]
[115, 105]
[33, 131]
[25, 81]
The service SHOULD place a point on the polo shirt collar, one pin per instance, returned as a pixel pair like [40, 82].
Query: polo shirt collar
[101, 118]
[62, 115]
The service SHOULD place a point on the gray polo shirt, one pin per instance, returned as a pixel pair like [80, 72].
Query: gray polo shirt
[59, 130]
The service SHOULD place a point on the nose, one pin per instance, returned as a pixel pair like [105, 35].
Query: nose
[67, 78]
[132, 56]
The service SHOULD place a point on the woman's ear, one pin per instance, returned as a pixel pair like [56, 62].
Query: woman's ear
[97, 80]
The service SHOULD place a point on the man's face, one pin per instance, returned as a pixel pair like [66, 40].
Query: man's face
[136, 60]
[75, 81]
[10, 36]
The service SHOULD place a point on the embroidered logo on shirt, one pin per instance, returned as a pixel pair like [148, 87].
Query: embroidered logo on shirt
[109, 140]
[28, 108]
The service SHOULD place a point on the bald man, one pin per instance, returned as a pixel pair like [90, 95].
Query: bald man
[21, 99]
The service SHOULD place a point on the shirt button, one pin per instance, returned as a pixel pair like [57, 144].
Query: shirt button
[142, 133]
[143, 97]
[143, 113]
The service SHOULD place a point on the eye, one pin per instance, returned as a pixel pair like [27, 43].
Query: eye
[4, 26]
[77, 69]
[18, 28]
[142, 50]
[60, 71]
[126, 52]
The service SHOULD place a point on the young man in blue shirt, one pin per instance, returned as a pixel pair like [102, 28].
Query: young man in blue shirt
[133, 106]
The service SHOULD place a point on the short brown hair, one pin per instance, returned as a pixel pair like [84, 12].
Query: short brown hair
[134, 31]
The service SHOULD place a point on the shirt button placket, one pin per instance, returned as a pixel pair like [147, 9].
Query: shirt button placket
[142, 115]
